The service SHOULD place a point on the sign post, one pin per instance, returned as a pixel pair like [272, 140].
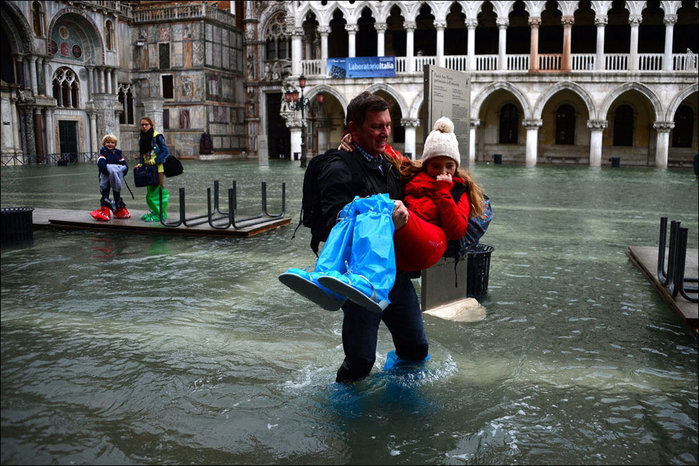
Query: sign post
[444, 285]
[448, 93]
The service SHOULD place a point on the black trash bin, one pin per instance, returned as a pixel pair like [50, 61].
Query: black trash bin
[497, 158]
[615, 161]
[16, 225]
[296, 156]
[478, 271]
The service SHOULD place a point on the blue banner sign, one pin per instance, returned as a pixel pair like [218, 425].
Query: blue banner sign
[361, 67]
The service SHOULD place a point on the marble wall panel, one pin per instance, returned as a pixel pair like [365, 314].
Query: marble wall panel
[177, 57]
[217, 56]
[198, 53]
[187, 54]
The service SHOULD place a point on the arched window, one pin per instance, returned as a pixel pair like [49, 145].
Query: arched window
[278, 44]
[129, 106]
[509, 124]
[126, 99]
[565, 124]
[66, 88]
[623, 126]
[37, 18]
[108, 33]
[75, 94]
[683, 132]
[122, 115]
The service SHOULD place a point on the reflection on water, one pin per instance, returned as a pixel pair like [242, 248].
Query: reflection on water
[158, 349]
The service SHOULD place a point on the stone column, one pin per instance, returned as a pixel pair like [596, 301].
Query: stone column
[94, 143]
[351, 39]
[324, 31]
[295, 135]
[410, 141]
[27, 74]
[670, 21]
[532, 126]
[440, 26]
[567, 22]
[39, 135]
[42, 75]
[323, 136]
[15, 128]
[108, 80]
[115, 82]
[597, 128]
[475, 123]
[502, 42]
[19, 67]
[89, 82]
[50, 132]
[153, 109]
[409, 27]
[29, 134]
[601, 23]
[32, 71]
[634, 21]
[534, 24]
[102, 77]
[471, 46]
[380, 39]
[663, 129]
[108, 124]
[296, 68]
[8, 128]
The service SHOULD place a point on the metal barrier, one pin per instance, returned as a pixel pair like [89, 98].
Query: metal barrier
[59, 158]
[214, 215]
[673, 278]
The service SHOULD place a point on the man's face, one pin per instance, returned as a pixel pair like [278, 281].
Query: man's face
[372, 136]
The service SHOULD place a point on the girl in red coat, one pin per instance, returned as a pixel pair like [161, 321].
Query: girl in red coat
[441, 195]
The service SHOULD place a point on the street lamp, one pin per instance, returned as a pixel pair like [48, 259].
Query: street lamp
[294, 103]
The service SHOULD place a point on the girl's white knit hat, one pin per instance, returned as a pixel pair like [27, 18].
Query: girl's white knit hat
[441, 142]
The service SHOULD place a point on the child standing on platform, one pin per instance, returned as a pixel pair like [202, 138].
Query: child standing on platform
[112, 168]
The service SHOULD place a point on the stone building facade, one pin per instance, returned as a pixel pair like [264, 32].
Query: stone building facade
[73, 71]
[551, 82]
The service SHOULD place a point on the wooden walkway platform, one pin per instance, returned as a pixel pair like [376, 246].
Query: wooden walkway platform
[646, 259]
[81, 220]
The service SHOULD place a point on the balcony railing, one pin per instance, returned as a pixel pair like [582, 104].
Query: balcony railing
[420, 63]
[684, 62]
[486, 62]
[549, 62]
[616, 62]
[582, 61]
[311, 67]
[650, 62]
[151, 15]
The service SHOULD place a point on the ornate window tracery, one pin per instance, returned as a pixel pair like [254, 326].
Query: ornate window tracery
[66, 88]
[278, 42]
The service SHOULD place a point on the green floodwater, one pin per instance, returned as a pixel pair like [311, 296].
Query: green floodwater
[122, 348]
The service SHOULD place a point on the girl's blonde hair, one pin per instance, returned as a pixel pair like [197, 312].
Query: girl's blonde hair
[109, 137]
[409, 168]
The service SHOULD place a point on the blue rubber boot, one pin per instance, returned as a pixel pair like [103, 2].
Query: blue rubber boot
[371, 269]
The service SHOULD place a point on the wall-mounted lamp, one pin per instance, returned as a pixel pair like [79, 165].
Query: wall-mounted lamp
[292, 99]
